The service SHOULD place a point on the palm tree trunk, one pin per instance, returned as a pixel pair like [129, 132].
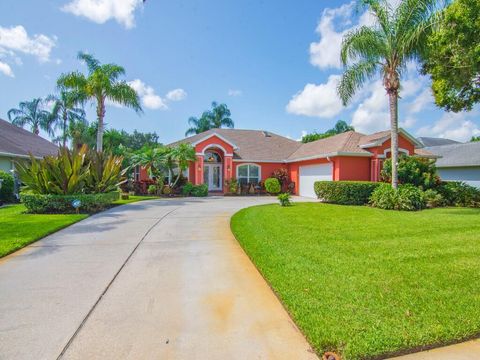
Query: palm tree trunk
[100, 116]
[64, 129]
[393, 99]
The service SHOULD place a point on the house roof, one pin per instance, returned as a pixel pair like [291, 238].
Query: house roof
[18, 142]
[455, 155]
[258, 145]
[431, 141]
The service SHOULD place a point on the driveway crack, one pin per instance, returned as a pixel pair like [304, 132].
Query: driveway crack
[79, 328]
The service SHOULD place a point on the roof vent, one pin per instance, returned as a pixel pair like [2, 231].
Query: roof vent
[266, 134]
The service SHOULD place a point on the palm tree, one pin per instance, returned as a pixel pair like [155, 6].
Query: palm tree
[220, 116]
[65, 111]
[182, 154]
[31, 113]
[101, 84]
[198, 125]
[398, 36]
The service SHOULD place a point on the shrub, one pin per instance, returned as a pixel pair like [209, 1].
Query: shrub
[200, 190]
[407, 197]
[152, 189]
[50, 203]
[7, 187]
[345, 192]
[284, 199]
[432, 198]
[282, 175]
[412, 170]
[167, 190]
[272, 186]
[232, 185]
[456, 193]
[187, 189]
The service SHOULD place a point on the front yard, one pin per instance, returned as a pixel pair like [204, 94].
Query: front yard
[366, 282]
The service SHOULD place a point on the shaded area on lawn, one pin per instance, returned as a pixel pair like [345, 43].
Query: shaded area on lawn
[367, 282]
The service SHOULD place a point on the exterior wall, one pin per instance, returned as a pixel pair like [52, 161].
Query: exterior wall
[470, 175]
[403, 143]
[353, 168]
[294, 170]
[266, 169]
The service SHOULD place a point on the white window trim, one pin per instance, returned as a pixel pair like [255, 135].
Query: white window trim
[213, 146]
[386, 151]
[248, 172]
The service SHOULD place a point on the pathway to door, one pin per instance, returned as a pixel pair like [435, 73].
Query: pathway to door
[162, 279]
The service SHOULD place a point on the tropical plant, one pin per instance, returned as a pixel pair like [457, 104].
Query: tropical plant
[81, 133]
[182, 155]
[7, 186]
[105, 172]
[405, 198]
[398, 36]
[453, 57]
[340, 127]
[32, 114]
[284, 199]
[412, 170]
[65, 111]
[154, 159]
[217, 117]
[100, 85]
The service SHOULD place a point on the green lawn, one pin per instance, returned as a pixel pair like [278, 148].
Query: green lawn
[367, 282]
[18, 229]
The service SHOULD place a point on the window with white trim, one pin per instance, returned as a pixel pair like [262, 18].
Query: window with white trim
[248, 174]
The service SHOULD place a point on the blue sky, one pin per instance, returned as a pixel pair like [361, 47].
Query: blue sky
[274, 63]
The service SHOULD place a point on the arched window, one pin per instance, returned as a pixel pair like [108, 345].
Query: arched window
[248, 174]
[212, 157]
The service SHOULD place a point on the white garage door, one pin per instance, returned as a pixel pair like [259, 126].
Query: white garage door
[311, 173]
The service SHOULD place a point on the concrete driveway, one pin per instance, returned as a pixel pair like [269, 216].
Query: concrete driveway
[162, 279]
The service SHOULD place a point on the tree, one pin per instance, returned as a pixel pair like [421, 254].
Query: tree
[398, 36]
[65, 111]
[81, 133]
[475, 138]
[182, 154]
[31, 113]
[154, 159]
[452, 57]
[101, 84]
[340, 127]
[218, 117]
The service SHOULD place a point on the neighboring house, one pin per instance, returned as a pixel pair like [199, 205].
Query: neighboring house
[17, 143]
[251, 156]
[431, 141]
[459, 162]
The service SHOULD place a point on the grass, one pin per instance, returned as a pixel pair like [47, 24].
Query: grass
[369, 283]
[18, 229]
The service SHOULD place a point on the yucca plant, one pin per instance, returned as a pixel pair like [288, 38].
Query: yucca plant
[63, 174]
[105, 172]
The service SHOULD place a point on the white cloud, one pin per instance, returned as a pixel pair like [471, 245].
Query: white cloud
[147, 95]
[372, 114]
[16, 39]
[454, 126]
[317, 100]
[176, 95]
[6, 69]
[424, 99]
[235, 92]
[100, 11]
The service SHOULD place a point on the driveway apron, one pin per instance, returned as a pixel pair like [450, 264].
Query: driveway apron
[162, 279]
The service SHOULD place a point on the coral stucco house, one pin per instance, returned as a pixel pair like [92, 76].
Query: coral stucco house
[251, 156]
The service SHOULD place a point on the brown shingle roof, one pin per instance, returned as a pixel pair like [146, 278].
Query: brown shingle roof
[19, 142]
[426, 154]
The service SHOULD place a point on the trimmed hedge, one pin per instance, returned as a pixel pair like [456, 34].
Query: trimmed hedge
[345, 192]
[200, 190]
[272, 185]
[7, 187]
[52, 204]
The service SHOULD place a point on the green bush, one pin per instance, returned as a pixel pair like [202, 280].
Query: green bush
[232, 185]
[407, 198]
[7, 187]
[284, 199]
[187, 189]
[345, 192]
[124, 196]
[420, 172]
[200, 190]
[152, 189]
[433, 199]
[90, 203]
[167, 190]
[272, 185]
[456, 193]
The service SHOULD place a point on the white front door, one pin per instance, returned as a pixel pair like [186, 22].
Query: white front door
[310, 174]
[212, 176]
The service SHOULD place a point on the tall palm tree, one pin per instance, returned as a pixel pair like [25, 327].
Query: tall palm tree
[101, 84]
[398, 36]
[198, 125]
[33, 114]
[65, 111]
[220, 116]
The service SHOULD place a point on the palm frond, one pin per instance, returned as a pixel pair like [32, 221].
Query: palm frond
[123, 94]
[354, 77]
[92, 63]
[364, 43]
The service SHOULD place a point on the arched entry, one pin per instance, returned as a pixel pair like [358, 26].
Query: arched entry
[213, 170]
